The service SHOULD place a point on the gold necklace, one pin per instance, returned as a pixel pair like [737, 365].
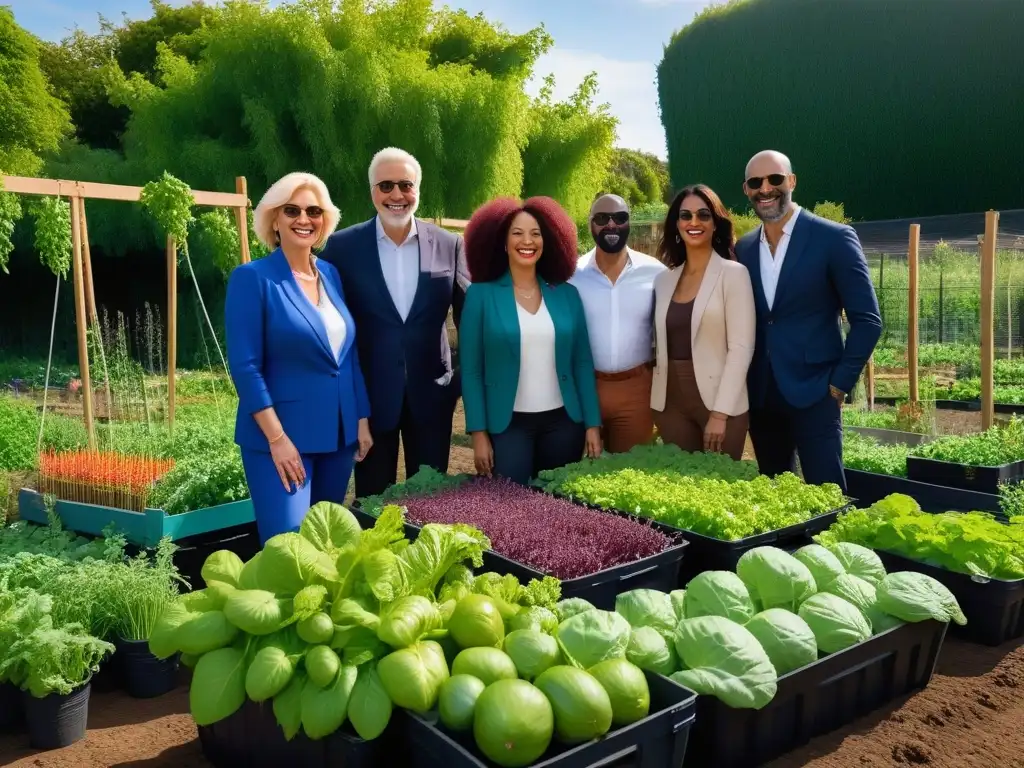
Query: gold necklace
[309, 278]
[523, 293]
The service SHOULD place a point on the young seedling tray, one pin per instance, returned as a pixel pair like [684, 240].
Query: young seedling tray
[817, 699]
[252, 738]
[994, 607]
[657, 741]
[144, 529]
[660, 571]
[970, 478]
[869, 487]
[891, 436]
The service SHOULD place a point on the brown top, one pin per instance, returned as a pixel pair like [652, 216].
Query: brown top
[677, 330]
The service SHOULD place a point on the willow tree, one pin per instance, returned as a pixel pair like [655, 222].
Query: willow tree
[898, 110]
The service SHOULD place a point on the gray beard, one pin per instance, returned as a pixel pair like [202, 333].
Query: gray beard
[782, 206]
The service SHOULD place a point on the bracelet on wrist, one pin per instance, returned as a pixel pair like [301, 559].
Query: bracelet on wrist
[275, 439]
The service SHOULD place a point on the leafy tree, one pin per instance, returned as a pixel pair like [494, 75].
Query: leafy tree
[458, 38]
[639, 177]
[181, 29]
[32, 119]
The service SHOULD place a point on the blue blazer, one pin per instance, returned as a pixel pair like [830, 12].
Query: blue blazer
[489, 347]
[824, 274]
[279, 356]
[402, 358]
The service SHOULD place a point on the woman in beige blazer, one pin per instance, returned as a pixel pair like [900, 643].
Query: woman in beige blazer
[704, 329]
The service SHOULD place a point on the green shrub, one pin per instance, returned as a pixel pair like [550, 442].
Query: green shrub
[18, 425]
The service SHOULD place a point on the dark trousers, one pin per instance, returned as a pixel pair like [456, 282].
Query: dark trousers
[533, 442]
[424, 442]
[780, 432]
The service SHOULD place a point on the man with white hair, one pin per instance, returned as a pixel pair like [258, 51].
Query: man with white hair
[401, 275]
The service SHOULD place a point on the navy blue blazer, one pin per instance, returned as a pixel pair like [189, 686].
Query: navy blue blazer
[402, 358]
[824, 274]
[279, 355]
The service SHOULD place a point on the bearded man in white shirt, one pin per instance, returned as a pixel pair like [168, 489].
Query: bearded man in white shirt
[616, 284]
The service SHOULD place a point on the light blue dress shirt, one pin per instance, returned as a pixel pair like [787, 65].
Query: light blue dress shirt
[401, 267]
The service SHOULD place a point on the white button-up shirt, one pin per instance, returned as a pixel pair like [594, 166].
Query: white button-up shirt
[401, 267]
[772, 266]
[620, 315]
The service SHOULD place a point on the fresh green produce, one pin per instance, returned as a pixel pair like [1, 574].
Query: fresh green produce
[532, 652]
[823, 565]
[867, 454]
[914, 596]
[369, 706]
[477, 621]
[570, 607]
[651, 650]
[718, 593]
[322, 665]
[647, 608]
[627, 690]
[593, 636]
[836, 623]
[974, 543]
[536, 618]
[786, 638]
[513, 723]
[775, 578]
[486, 664]
[456, 703]
[998, 445]
[860, 561]
[582, 707]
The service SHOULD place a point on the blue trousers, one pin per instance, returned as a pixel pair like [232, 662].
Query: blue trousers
[279, 511]
[534, 442]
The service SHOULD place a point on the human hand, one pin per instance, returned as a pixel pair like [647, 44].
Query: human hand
[593, 446]
[365, 439]
[288, 463]
[714, 432]
[837, 394]
[483, 454]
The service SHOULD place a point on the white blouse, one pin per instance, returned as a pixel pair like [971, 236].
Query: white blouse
[333, 322]
[538, 389]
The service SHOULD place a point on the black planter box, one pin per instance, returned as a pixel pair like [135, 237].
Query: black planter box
[970, 478]
[816, 699]
[891, 436]
[660, 571]
[994, 608]
[869, 487]
[657, 741]
[957, 405]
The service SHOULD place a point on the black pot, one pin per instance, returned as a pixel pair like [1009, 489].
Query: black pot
[12, 709]
[57, 720]
[144, 675]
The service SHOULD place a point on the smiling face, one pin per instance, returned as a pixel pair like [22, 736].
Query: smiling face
[300, 221]
[525, 243]
[695, 223]
[397, 201]
[609, 223]
[769, 185]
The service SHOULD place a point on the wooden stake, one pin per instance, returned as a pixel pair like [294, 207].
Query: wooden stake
[912, 311]
[81, 323]
[172, 326]
[988, 283]
[242, 220]
[90, 289]
[869, 382]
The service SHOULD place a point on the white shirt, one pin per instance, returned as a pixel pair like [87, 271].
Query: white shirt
[401, 267]
[538, 388]
[333, 322]
[771, 267]
[620, 315]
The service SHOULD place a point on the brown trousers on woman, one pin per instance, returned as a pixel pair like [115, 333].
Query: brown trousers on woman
[683, 421]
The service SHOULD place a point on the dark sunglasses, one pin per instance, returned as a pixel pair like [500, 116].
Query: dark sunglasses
[387, 186]
[702, 215]
[619, 217]
[293, 211]
[775, 179]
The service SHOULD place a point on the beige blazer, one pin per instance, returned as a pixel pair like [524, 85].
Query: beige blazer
[722, 335]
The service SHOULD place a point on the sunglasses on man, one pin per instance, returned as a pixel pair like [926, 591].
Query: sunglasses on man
[387, 186]
[775, 179]
[293, 211]
[602, 219]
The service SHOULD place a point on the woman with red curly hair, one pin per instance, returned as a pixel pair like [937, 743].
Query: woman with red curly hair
[528, 382]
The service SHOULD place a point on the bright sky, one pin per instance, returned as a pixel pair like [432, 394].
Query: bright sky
[622, 40]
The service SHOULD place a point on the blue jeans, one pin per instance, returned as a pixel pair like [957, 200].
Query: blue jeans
[279, 511]
[533, 442]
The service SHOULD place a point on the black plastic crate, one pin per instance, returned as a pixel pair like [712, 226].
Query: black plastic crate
[660, 571]
[657, 741]
[869, 487]
[243, 540]
[251, 737]
[817, 699]
[970, 478]
[994, 607]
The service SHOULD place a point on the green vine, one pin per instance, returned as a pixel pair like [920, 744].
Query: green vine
[53, 234]
[10, 212]
[217, 236]
[170, 202]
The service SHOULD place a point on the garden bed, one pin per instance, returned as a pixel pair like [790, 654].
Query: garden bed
[980, 479]
[891, 436]
[869, 487]
[957, 405]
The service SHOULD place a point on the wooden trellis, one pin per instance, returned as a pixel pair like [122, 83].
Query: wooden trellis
[77, 193]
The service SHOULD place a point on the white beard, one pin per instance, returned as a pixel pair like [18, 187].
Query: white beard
[399, 220]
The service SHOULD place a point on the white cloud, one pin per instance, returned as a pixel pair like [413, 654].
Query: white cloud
[628, 87]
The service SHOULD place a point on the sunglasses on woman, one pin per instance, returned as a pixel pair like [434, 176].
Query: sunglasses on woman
[619, 217]
[386, 186]
[775, 179]
[293, 211]
[702, 215]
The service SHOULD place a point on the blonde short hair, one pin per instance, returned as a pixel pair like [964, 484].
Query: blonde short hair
[394, 155]
[280, 193]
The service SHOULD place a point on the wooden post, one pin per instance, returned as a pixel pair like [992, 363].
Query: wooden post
[81, 323]
[912, 310]
[242, 220]
[988, 282]
[90, 289]
[172, 326]
[869, 382]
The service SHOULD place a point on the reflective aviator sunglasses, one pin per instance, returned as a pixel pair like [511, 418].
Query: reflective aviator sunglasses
[293, 211]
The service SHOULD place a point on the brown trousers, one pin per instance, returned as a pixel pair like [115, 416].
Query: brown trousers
[685, 417]
[625, 400]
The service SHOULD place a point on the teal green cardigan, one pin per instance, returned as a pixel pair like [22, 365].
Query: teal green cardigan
[489, 346]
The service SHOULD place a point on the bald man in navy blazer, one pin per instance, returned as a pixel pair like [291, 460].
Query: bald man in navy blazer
[401, 276]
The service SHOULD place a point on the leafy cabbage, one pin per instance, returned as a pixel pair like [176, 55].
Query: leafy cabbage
[775, 578]
[836, 623]
[330, 527]
[647, 608]
[823, 565]
[859, 561]
[593, 636]
[718, 593]
[914, 597]
[786, 638]
[651, 650]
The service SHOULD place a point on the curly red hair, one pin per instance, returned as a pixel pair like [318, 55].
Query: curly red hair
[487, 232]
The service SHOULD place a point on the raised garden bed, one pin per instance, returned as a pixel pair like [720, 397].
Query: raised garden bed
[891, 436]
[970, 478]
[869, 487]
[816, 699]
[957, 405]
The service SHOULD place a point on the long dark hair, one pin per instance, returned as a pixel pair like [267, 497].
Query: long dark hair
[672, 250]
